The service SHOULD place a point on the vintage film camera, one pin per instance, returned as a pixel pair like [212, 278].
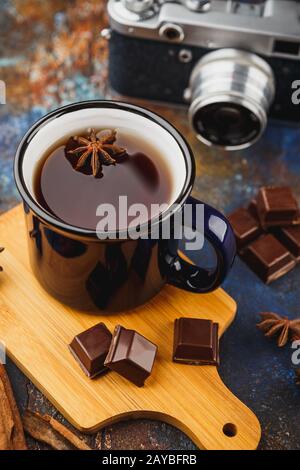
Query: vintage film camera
[234, 62]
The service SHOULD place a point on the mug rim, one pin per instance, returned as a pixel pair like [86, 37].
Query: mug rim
[109, 104]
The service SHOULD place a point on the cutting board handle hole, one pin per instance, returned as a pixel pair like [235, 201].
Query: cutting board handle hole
[230, 429]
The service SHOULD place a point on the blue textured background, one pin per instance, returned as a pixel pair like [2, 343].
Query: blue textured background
[51, 54]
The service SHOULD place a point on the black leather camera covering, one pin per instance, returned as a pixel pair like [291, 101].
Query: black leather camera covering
[152, 70]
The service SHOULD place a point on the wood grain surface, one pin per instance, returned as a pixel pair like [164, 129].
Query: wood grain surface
[37, 329]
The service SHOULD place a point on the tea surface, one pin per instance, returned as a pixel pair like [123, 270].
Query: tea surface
[73, 196]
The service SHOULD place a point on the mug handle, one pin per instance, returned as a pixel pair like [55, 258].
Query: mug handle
[218, 231]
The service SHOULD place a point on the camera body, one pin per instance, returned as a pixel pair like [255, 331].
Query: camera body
[234, 62]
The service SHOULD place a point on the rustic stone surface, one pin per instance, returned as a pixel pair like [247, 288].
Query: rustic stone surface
[63, 59]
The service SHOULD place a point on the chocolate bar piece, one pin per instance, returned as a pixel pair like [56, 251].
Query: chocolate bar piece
[131, 355]
[276, 206]
[268, 258]
[252, 209]
[273, 213]
[245, 227]
[196, 341]
[90, 349]
[290, 238]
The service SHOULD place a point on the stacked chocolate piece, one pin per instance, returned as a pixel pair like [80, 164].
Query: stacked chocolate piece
[268, 232]
[127, 352]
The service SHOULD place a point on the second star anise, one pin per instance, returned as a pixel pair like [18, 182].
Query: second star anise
[1, 249]
[97, 151]
[273, 324]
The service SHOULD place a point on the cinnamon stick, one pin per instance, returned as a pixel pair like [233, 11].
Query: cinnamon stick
[50, 431]
[11, 429]
[6, 421]
[67, 434]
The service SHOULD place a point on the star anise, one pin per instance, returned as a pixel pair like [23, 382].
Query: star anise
[1, 249]
[297, 379]
[100, 150]
[296, 335]
[273, 324]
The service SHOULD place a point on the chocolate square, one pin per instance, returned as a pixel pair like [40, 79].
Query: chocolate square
[252, 209]
[246, 228]
[131, 355]
[90, 349]
[276, 206]
[290, 238]
[268, 258]
[196, 341]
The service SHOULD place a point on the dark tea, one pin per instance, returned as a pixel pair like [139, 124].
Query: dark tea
[72, 193]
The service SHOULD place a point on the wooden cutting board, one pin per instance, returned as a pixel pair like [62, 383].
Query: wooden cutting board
[37, 329]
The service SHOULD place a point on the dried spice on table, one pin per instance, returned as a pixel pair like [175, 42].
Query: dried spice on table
[11, 429]
[50, 431]
[272, 324]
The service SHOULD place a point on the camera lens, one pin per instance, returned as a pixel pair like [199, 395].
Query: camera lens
[231, 92]
[227, 124]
